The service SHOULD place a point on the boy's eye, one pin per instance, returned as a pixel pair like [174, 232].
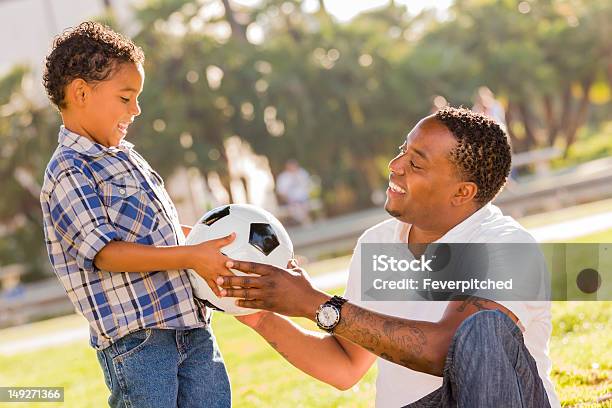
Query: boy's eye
[125, 100]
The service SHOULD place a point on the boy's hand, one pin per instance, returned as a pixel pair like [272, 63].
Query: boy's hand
[207, 260]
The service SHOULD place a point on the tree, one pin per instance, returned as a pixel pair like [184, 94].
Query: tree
[28, 135]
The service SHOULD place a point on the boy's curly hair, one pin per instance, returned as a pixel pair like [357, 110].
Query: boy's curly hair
[483, 154]
[90, 51]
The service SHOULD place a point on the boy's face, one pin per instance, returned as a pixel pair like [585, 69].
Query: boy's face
[112, 105]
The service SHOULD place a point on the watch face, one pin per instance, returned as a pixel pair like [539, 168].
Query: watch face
[328, 316]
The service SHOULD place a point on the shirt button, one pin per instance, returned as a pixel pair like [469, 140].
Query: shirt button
[122, 191]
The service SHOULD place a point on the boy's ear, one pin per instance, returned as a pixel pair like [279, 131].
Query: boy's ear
[77, 92]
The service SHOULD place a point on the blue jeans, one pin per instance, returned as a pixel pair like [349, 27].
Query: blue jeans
[488, 365]
[166, 368]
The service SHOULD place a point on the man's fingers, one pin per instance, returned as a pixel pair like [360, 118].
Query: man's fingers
[251, 304]
[247, 293]
[240, 281]
[250, 267]
[292, 264]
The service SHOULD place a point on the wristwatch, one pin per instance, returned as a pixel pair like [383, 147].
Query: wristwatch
[328, 314]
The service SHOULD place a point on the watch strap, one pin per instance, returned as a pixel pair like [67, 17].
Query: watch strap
[337, 301]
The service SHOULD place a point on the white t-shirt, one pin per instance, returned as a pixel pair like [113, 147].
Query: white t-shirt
[397, 386]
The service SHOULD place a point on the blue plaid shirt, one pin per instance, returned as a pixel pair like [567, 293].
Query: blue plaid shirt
[92, 195]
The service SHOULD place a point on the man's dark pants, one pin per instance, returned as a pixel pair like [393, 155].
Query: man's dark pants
[488, 365]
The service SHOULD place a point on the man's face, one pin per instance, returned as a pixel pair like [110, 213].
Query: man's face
[422, 179]
[113, 105]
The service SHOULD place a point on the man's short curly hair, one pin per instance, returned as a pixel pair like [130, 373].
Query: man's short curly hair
[90, 51]
[483, 154]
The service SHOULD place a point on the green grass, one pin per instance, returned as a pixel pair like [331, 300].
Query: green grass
[581, 350]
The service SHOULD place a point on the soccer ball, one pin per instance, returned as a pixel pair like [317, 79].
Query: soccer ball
[260, 237]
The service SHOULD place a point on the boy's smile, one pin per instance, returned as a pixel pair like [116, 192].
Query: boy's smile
[103, 111]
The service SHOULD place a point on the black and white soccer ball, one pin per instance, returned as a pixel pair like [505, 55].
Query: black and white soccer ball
[260, 237]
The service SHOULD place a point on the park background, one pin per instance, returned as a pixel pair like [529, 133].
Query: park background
[234, 89]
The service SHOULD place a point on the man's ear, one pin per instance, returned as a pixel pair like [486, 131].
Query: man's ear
[77, 92]
[465, 192]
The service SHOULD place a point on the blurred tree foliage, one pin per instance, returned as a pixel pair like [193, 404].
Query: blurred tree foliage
[28, 136]
[338, 97]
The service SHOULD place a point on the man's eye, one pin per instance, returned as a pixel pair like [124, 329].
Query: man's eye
[402, 148]
[414, 165]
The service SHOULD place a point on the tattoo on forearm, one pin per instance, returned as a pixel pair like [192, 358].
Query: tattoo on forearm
[275, 347]
[478, 303]
[396, 341]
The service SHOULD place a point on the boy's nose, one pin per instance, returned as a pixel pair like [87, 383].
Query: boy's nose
[135, 110]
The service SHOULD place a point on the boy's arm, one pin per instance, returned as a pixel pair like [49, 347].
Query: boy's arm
[84, 231]
[328, 358]
[205, 258]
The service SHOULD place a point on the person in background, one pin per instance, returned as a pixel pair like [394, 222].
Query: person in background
[293, 186]
[486, 104]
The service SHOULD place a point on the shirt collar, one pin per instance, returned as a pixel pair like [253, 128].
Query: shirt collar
[83, 145]
[460, 231]
[463, 230]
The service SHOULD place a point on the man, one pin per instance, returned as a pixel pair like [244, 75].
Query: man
[450, 167]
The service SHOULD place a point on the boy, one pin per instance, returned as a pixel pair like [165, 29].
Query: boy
[114, 237]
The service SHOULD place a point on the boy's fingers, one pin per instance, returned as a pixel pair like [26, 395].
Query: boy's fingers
[213, 286]
[226, 272]
[292, 264]
[226, 240]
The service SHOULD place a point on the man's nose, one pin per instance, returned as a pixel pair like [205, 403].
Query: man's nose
[395, 166]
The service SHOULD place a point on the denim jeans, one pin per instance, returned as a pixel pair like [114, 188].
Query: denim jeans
[488, 365]
[166, 368]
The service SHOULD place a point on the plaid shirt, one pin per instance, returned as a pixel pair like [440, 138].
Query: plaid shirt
[92, 195]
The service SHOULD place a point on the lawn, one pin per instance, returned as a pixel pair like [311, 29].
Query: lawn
[581, 349]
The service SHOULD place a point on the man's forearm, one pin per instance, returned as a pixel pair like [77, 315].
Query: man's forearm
[316, 354]
[120, 256]
[414, 344]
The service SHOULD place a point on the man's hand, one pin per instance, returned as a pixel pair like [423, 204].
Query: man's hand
[285, 291]
[207, 260]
